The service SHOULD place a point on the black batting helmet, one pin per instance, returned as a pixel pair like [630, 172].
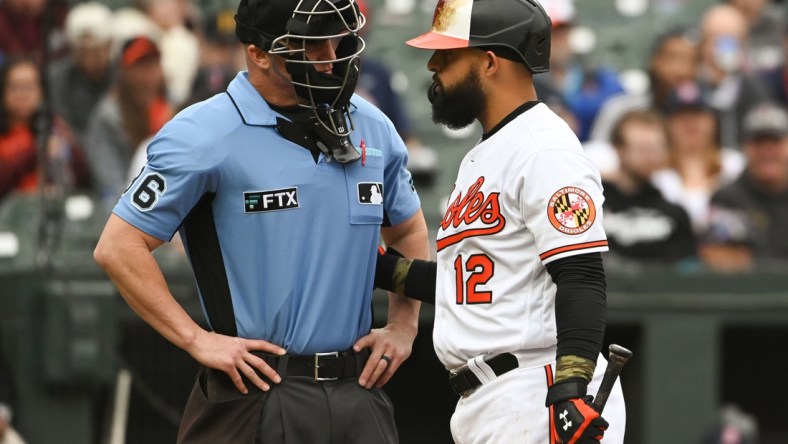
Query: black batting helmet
[521, 26]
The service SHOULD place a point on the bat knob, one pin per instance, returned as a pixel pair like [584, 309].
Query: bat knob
[618, 350]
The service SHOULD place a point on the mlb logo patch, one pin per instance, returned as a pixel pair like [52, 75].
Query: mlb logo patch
[370, 193]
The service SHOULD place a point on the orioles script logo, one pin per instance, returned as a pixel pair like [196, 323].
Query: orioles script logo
[469, 209]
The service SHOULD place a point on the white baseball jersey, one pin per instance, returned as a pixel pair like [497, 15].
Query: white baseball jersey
[524, 197]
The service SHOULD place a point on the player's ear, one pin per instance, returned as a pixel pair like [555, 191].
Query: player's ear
[491, 63]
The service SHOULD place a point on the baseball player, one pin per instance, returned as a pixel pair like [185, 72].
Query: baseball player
[520, 291]
[262, 183]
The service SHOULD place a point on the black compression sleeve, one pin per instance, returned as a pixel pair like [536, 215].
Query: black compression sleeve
[419, 277]
[384, 271]
[420, 283]
[580, 304]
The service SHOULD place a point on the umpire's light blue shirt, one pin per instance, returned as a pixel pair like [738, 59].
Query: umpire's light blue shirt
[283, 248]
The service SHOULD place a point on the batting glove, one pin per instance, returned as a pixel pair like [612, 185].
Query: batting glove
[574, 418]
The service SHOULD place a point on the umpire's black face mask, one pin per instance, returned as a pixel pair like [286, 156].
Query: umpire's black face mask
[326, 93]
[325, 79]
[327, 24]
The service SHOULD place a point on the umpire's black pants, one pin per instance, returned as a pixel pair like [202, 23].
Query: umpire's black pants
[296, 411]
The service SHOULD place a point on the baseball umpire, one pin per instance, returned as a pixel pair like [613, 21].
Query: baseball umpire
[519, 285]
[265, 184]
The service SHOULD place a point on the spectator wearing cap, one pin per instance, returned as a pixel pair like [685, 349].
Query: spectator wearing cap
[747, 218]
[219, 56]
[584, 87]
[180, 48]
[132, 110]
[79, 81]
[732, 89]
[129, 22]
[698, 165]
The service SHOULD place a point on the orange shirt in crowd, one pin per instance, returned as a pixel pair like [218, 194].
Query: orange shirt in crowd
[18, 158]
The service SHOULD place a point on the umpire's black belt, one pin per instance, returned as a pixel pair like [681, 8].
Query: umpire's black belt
[463, 380]
[320, 366]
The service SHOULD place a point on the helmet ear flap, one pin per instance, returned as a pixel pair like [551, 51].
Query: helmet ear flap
[536, 52]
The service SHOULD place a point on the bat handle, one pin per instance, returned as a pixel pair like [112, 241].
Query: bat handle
[617, 358]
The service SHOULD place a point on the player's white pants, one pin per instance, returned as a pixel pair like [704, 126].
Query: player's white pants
[510, 409]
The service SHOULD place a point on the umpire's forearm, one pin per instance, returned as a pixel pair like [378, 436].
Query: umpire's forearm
[404, 312]
[409, 237]
[127, 260]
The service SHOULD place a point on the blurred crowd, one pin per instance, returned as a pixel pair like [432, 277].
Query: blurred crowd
[694, 158]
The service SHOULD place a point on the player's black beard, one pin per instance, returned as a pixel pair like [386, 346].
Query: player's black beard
[459, 106]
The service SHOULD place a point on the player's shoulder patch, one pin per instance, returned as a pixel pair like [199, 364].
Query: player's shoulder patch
[571, 210]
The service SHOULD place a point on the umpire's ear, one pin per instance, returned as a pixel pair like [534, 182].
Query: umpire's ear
[257, 57]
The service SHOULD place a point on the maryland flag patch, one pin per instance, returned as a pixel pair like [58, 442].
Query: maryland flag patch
[571, 210]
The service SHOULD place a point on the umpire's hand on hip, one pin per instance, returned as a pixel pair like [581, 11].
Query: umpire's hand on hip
[233, 356]
[390, 347]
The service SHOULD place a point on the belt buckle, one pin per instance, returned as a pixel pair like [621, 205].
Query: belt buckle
[317, 366]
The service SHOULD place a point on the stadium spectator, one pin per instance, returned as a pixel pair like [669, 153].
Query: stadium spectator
[698, 166]
[78, 82]
[764, 43]
[639, 222]
[732, 90]
[22, 92]
[584, 86]
[375, 85]
[129, 22]
[23, 28]
[179, 46]
[673, 61]
[747, 218]
[777, 79]
[133, 109]
[219, 56]
[552, 97]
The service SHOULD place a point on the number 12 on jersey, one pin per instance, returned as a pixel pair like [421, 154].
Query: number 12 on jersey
[469, 275]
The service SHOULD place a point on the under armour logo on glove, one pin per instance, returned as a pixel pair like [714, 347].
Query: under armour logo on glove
[563, 416]
[581, 423]
[574, 418]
